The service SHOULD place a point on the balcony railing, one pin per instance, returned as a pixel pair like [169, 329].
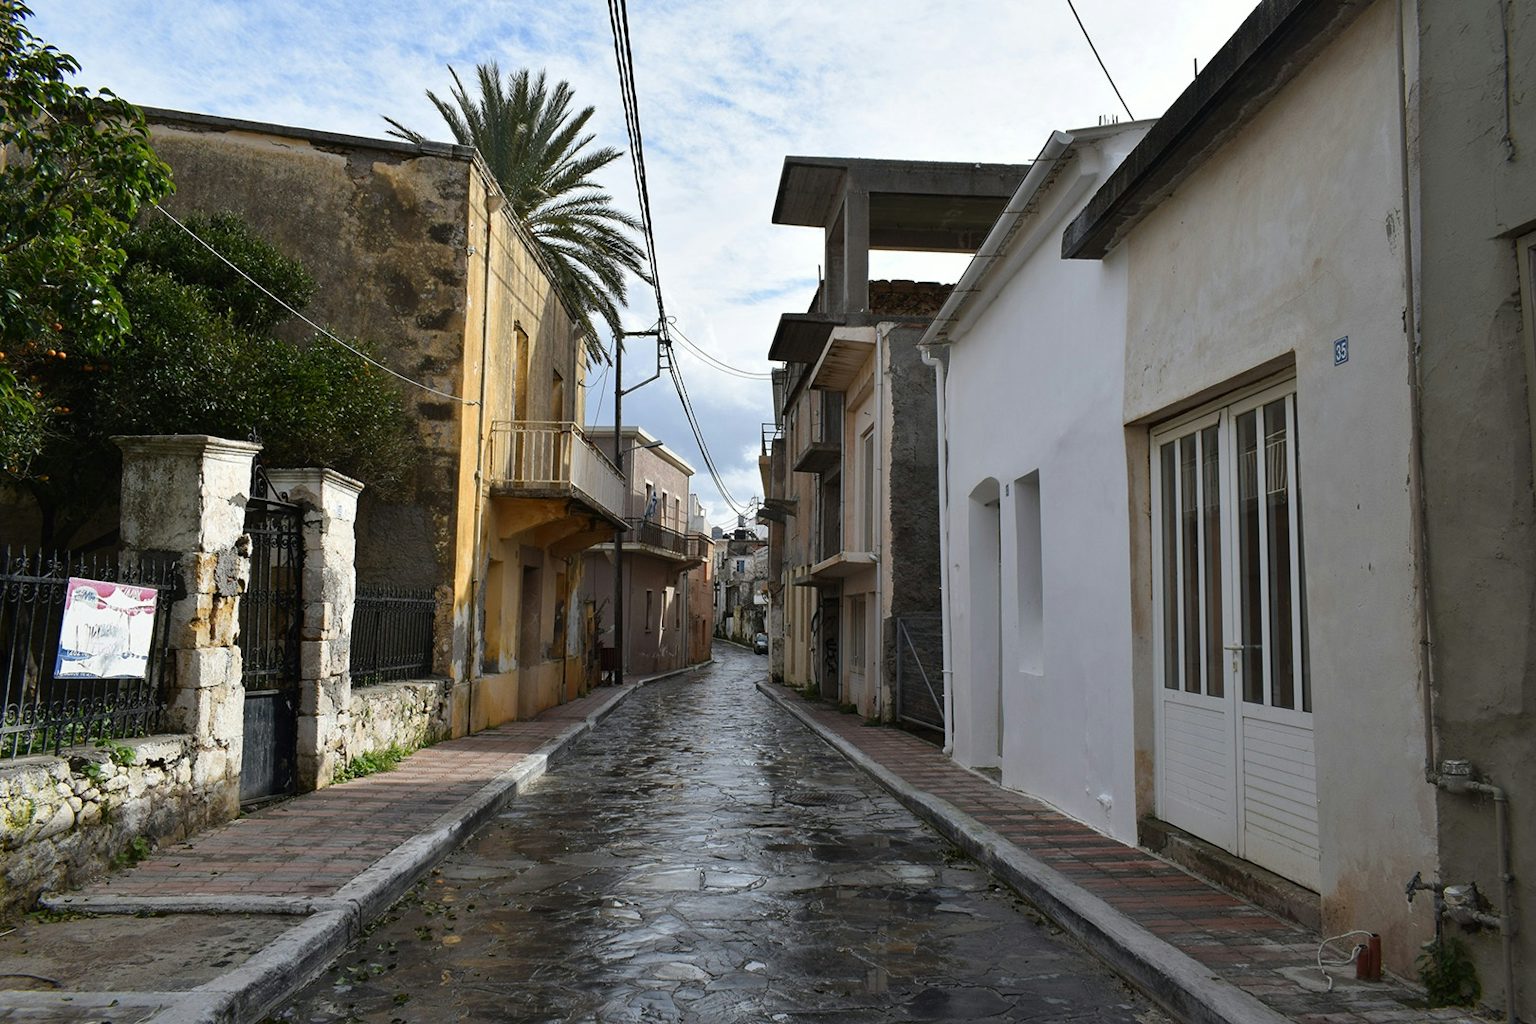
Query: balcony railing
[686, 547]
[554, 458]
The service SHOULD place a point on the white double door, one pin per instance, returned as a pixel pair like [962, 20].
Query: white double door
[1235, 750]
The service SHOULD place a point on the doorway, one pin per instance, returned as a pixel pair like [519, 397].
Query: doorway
[1235, 746]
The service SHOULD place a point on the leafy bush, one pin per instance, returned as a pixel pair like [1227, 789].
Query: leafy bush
[202, 358]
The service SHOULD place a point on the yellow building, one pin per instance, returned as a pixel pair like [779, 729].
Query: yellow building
[414, 251]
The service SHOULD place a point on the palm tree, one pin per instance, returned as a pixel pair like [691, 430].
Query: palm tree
[534, 147]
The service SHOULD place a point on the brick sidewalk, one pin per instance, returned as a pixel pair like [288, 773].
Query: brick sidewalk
[1271, 959]
[316, 843]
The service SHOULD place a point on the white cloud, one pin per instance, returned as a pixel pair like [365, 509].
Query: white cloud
[726, 91]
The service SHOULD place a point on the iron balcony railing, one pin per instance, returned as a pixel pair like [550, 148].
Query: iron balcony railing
[692, 547]
[554, 456]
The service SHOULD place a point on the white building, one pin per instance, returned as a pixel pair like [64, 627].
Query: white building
[1030, 347]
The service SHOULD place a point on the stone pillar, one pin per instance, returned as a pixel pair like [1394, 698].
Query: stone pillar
[183, 497]
[329, 501]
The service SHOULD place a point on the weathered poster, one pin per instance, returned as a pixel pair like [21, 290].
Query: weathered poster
[106, 631]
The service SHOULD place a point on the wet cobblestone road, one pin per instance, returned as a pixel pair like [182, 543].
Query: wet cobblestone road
[703, 857]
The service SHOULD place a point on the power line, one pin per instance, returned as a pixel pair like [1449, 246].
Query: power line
[1096, 57]
[364, 356]
[618, 19]
[623, 54]
[711, 361]
[268, 293]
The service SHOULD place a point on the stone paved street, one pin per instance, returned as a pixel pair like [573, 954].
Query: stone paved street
[703, 857]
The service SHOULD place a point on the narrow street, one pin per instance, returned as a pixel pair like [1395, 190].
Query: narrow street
[703, 857]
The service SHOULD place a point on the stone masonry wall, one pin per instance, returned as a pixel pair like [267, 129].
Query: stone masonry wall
[408, 714]
[63, 820]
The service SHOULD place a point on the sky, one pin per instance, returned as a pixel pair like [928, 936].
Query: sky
[726, 91]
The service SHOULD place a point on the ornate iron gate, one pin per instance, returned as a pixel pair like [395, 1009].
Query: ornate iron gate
[270, 615]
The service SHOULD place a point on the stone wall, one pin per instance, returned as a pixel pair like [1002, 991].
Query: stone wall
[65, 820]
[408, 714]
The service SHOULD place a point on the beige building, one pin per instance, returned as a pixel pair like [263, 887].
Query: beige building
[414, 251]
[664, 554]
[849, 465]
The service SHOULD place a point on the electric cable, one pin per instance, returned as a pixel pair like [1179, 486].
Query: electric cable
[268, 293]
[713, 362]
[1096, 57]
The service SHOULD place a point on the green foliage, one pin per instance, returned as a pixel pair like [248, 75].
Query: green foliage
[371, 763]
[203, 357]
[536, 148]
[137, 849]
[1448, 974]
[78, 169]
[161, 245]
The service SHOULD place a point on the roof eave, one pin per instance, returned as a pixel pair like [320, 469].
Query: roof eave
[1269, 49]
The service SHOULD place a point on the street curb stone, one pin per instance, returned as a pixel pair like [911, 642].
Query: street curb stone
[300, 954]
[1173, 979]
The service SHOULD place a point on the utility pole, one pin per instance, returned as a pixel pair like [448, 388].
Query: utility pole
[618, 462]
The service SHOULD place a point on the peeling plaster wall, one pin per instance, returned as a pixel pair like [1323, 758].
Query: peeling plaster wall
[1287, 238]
[1474, 200]
[384, 231]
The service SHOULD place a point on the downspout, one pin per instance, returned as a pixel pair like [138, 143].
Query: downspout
[494, 201]
[1417, 498]
[1451, 776]
[882, 345]
[936, 355]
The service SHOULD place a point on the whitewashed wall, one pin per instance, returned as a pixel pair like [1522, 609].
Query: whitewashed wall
[1034, 386]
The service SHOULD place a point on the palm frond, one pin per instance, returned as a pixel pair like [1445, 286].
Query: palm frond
[540, 152]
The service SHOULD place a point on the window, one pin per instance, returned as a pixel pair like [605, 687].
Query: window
[650, 598]
[1229, 580]
[741, 566]
[857, 647]
[661, 509]
[1031, 580]
[520, 374]
[867, 458]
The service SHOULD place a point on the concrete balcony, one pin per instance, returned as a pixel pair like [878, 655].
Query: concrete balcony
[681, 550]
[554, 461]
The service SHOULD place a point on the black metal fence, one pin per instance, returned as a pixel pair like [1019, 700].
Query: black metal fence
[392, 633]
[919, 670]
[43, 712]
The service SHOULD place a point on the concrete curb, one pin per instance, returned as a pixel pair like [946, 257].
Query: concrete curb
[1170, 977]
[300, 954]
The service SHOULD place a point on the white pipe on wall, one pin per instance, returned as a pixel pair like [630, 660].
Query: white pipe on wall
[940, 363]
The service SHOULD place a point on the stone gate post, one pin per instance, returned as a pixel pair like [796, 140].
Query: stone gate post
[329, 590]
[183, 497]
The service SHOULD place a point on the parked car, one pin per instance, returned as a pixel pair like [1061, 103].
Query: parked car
[760, 643]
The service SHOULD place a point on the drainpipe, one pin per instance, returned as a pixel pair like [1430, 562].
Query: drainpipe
[1416, 423]
[1458, 777]
[936, 355]
[882, 439]
[494, 201]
